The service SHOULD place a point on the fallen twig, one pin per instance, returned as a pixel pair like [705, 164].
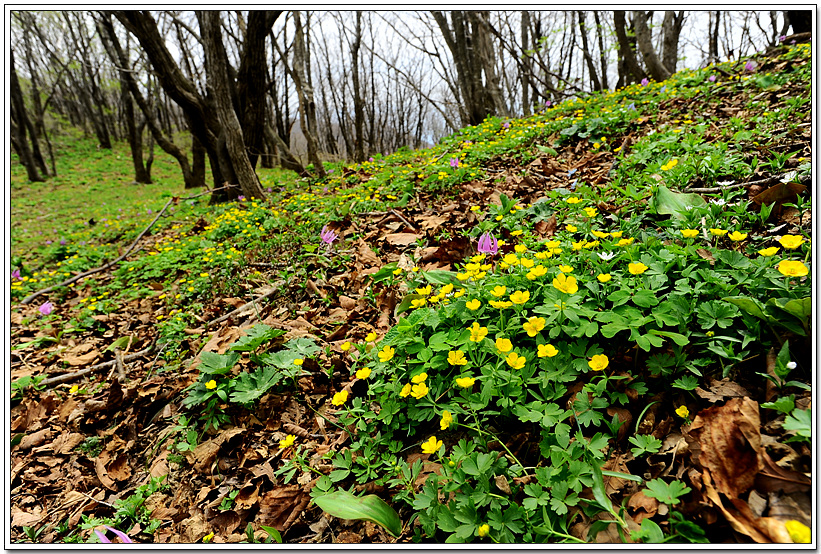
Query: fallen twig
[244, 306]
[105, 266]
[65, 378]
[771, 180]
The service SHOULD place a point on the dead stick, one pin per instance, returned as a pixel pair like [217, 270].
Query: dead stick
[77, 374]
[404, 220]
[765, 181]
[247, 304]
[103, 267]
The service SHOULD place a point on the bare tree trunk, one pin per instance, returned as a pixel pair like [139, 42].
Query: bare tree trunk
[645, 41]
[591, 67]
[135, 142]
[216, 63]
[602, 55]
[632, 71]
[671, 26]
[19, 124]
[712, 38]
[358, 107]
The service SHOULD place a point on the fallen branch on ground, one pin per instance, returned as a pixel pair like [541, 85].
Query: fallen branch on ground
[67, 377]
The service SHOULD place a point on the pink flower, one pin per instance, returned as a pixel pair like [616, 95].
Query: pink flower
[16, 275]
[487, 244]
[123, 537]
[712, 78]
[645, 82]
[327, 236]
[454, 163]
[46, 308]
[548, 103]
[370, 160]
[750, 65]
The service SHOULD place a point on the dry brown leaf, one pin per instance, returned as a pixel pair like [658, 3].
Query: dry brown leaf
[726, 440]
[119, 469]
[773, 477]
[719, 390]
[402, 239]
[644, 505]
[365, 255]
[276, 506]
[35, 439]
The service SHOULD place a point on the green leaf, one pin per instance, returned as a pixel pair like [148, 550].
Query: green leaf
[384, 273]
[675, 204]
[785, 404]
[678, 338]
[273, 533]
[441, 277]
[620, 475]
[669, 494]
[547, 150]
[800, 421]
[119, 343]
[345, 505]
[599, 493]
[302, 345]
[217, 364]
[650, 532]
[256, 336]
[645, 299]
[248, 387]
[749, 305]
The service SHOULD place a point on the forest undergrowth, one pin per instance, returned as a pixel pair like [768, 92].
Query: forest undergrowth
[589, 325]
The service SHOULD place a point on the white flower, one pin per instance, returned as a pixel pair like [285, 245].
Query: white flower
[791, 365]
[718, 201]
[724, 183]
[606, 256]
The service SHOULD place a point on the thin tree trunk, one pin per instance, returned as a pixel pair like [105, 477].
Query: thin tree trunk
[634, 72]
[644, 39]
[588, 58]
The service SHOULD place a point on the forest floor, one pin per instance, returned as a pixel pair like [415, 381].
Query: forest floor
[631, 362]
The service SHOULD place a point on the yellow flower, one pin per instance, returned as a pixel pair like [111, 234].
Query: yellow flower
[207, 538]
[511, 259]
[577, 245]
[458, 293]
[75, 388]
[475, 208]
[465, 382]
[500, 304]
[689, 233]
[767, 252]
[682, 412]
[419, 302]
[339, 398]
[419, 378]
[520, 297]
[386, 354]
[533, 326]
[432, 446]
[346, 346]
[799, 533]
[447, 289]
[565, 268]
[792, 268]
[547, 350]
[447, 419]
[616, 234]
[636, 268]
[477, 333]
[473, 304]
[483, 530]
[598, 362]
[287, 441]
[498, 291]
[457, 357]
[211, 385]
[626, 242]
[718, 232]
[604, 277]
[371, 337]
[565, 284]
[791, 242]
[504, 345]
[573, 200]
[600, 234]
[299, 361]
[406, 390]
[424, 291]
[520, 248]
[737, 237]
[591, 212]
[527, 262]
[363, 373]
[419, 390]
[571, 228]
[515, 361]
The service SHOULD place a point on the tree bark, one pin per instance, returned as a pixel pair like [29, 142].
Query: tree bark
[358, 103]
[588, 58]
[632, 70]
[216, 64]
[19, 124]
[644, 39]
[671, 27]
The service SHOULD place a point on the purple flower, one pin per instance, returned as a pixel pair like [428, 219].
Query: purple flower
[123, 537]
[632, 106]
[487, 244]
[664, 88]
[62, 242]
[46, 308]
[645, 82]
[16, 275]
[370, 159]
[506, 125]
[548, 103]
[712, 78]
[325, 189]
[149, 210]
[269, 189]
[240, 198]
[571, 172]
[327, 236]
[750, 65]
[454, 163]
[48, 242]
[782, 38]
